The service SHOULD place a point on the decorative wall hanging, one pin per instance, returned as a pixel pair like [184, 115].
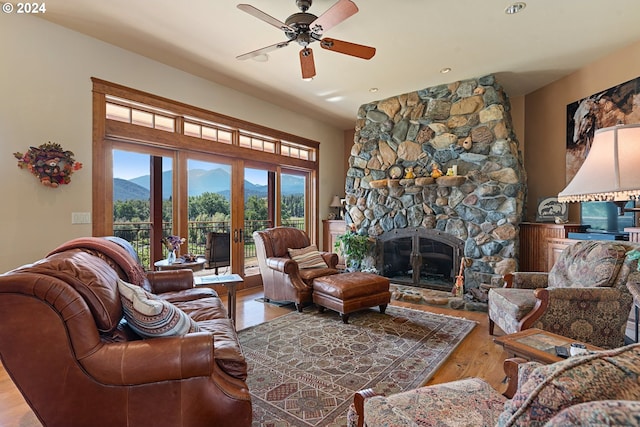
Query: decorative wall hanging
[617, 105]
[50, 163]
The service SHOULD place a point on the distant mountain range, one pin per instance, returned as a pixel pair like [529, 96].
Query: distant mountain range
[200, 181]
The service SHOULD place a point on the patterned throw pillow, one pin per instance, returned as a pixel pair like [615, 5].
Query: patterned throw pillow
[308, 257]
[150, 316]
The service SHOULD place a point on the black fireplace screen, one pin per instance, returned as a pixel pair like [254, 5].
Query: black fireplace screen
[429, 262]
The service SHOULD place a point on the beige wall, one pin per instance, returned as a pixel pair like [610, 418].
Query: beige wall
[517, 117]
[545, 118]
[46, 96]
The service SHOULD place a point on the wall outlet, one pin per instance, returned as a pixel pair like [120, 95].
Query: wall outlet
[80, 217]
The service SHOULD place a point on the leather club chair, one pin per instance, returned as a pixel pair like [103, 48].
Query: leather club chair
[282, 278]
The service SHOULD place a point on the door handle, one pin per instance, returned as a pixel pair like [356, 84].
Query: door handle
[235, 235]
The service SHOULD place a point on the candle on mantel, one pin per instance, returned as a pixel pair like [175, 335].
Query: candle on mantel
[455, 170]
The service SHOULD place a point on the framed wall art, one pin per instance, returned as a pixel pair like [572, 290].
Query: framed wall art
[617, 105]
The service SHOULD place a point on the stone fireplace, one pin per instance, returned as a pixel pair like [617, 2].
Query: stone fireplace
[426, 224]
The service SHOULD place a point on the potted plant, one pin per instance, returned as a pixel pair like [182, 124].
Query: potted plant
[354, 247]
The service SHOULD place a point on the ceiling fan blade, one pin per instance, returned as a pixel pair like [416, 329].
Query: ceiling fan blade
[307, 64]
[264, 17]
[353, 49]
[262, 51]
[333, 16]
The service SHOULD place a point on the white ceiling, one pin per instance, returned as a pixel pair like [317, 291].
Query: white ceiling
[415, 39]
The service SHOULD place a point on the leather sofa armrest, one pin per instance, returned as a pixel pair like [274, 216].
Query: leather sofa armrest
[526, 280]
[137, 362]
[283, 265]
[330, 258]
[169, 281]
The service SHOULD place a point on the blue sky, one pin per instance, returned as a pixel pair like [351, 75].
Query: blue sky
[129, 165]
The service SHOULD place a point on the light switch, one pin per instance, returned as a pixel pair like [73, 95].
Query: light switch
[80, 217]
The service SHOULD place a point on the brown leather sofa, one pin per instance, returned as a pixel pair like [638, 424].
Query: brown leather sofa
[77, 362]
[282, 278]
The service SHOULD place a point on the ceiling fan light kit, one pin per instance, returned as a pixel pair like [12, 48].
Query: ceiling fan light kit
[306, 28]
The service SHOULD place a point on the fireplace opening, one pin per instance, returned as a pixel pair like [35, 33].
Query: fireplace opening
[420, 257]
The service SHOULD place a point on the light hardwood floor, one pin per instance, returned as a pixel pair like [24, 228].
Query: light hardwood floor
[476, 356]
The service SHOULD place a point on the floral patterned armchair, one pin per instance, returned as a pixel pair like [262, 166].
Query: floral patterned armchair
[600, 388]
[584, 297]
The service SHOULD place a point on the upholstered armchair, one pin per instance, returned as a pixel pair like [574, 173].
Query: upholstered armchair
[584, 297]
[289, 263]
[601, 388]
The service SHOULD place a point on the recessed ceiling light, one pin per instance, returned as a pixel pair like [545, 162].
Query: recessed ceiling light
[263, 57]
[515, 8]
[445, 70]
[373, 89]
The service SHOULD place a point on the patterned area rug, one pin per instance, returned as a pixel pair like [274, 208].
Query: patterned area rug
[305, 367]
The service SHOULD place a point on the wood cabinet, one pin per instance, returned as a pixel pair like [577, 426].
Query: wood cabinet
[555, 246]
[634, 234]
[331, 229]
[534, 254]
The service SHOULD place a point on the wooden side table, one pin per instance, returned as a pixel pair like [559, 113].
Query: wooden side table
[536, 345]
[196, 265]
[230, 281]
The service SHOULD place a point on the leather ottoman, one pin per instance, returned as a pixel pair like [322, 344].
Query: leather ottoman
[349, 292]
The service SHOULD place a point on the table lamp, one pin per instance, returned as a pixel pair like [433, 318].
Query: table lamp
[611, 171]
[336, 204]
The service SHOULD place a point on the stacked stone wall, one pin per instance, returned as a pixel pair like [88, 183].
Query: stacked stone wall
[464, 125]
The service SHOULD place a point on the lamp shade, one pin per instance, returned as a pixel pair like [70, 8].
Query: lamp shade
[611, 171]
[335, 202]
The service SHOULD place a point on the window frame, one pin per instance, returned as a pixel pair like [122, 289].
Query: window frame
[110, 133]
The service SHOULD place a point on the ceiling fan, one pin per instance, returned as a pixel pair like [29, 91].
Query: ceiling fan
[306, 28]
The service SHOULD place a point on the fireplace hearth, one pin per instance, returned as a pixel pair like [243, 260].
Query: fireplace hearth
[419, 257]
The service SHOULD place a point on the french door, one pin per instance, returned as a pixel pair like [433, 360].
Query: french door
[209, 200]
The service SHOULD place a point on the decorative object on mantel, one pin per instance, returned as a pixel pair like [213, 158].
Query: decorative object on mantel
[610, 172]
[435, 171]
[50, 163]
[408, 173]
[172, 243]
[395, 172]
